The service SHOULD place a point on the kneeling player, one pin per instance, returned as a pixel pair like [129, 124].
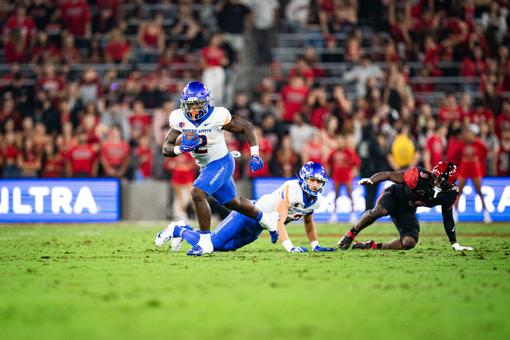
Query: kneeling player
[293, 200]
[413, 188]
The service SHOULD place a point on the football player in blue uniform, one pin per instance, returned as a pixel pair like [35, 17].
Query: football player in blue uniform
[201, 125]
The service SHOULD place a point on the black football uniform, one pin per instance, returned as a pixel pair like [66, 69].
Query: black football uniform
[402, 200]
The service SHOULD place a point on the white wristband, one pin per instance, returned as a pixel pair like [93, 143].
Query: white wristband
[177, 150]
[314, 244]
[287, 244]
[254, 150]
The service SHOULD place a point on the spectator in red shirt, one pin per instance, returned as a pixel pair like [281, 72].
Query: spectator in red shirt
[24, 24]
[303, 69]
[139, 121]
[504, 117]
[51, 82]
[473, 67]
[44, 51]
[117, 49]
[10, 151]
[503, 156]
[312, 150]
[143, 154]
[293, 97]
[67, 140]
[286, 158]
[29, 161]
[342, 163]
[82, 159]
[8, 112]
[53, 162]
[212, 61]
[435, 147]
[312, 59]
[480, 114]
[317, 103]
[470, 154]
[450, 111]
[151, 38]
[76, 17]
[182, 171]
[115, 154]
[69, 53]
[15, 51]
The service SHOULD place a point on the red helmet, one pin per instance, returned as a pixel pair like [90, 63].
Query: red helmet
[447, 171]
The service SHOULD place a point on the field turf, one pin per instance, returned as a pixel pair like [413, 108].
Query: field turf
[109, 282]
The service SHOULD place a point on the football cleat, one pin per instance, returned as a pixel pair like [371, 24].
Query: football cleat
[164, 235]
[197, 251]
[365, 245]
[346, 240]
[270, 221]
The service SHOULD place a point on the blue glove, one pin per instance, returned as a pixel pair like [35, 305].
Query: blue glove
[189, 144]
[256, 163]
[274, 236]
[298, 250]
[319, 248]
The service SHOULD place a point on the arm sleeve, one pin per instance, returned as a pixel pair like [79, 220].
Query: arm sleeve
[449, 223]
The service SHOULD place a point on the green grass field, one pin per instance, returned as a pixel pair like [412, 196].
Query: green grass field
[109, 282]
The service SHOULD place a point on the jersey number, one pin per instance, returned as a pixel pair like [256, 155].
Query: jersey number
[203, 142]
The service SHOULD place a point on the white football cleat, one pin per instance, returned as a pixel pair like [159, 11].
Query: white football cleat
[166, 234]
[487, 217]
[270, 221]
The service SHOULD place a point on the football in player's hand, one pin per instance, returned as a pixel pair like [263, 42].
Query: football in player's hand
[178, 141]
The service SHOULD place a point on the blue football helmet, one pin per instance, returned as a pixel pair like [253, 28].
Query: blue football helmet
[193, 93]
[312, 170]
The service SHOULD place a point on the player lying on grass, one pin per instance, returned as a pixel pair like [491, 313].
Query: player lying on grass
[413, 188]
[201, 125]
[293, 200]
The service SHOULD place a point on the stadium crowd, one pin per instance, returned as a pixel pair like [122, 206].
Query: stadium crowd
[86, 87]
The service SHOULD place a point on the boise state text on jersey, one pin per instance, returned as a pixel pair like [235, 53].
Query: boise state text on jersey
[209, 130]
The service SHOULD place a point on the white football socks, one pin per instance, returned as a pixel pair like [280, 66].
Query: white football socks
[205, 243]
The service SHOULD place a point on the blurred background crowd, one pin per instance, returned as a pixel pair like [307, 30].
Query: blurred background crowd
[86, 86]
